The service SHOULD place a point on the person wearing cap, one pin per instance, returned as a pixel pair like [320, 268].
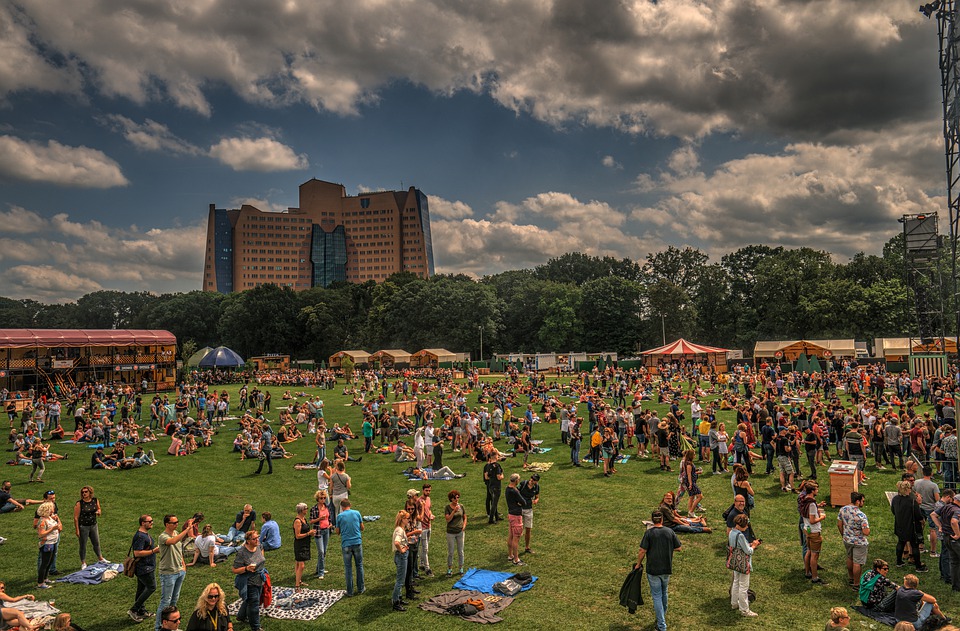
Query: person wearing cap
[530, 490]
[657, 547]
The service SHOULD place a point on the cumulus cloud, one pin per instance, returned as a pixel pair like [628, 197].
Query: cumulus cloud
[58, 259]
[531, 232]
[611, 163]
[258, 154]
[46, 283]
[150, 135]
[444, 209]
[842, 198]
[58, 164]
[687, 68]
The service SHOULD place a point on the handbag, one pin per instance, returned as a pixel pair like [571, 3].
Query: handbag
[738, 560]
[130, 563]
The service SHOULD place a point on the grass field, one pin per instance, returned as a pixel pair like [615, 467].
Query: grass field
[587, 531]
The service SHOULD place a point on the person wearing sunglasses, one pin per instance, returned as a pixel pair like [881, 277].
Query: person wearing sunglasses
[211, 612]
[169, 618]
[173, 569]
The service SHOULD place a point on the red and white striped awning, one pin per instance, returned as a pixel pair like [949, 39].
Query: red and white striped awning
[683, 347]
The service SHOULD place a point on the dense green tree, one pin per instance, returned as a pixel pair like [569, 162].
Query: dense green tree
[111, 309]
[192, 316]
[610, 314]
[262, 320]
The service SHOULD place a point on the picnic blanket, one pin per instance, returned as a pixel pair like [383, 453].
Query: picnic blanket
[539, 467]
[492, 605]
[93, 574]
[541, 450]
[68, 442]
[305, 465]
[371, 517]
[292, 604]
[94, 445]
[883, 618]
[483, 580]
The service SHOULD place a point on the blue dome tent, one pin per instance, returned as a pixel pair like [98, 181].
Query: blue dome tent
[221, 357]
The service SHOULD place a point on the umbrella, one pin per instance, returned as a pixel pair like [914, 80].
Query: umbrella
[221, 357]
[198, 356]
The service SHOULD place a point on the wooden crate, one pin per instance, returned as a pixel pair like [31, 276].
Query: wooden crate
[844, 480]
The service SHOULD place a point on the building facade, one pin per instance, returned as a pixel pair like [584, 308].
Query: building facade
[330, 237]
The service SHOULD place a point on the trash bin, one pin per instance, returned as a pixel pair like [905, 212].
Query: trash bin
[844, 480]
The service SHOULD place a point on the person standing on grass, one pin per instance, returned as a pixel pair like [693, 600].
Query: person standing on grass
[456, 517]
[400, 558]
[426, 520]
[657, 546]
[907, 518]
[530, 490]
[173, 568]
[320, 519]
[813, 526]
[493, 476]
[516, 502]
[350, 529]
[248, 566]
[266, 450]
[48, 531]
[85, 514]
[575, 438]
[740, 590]
[929, 494]
[854, 529]
[302, 535]
[145, 551]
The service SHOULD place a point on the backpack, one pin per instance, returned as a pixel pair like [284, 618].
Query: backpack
[508, 587]
[462, 609]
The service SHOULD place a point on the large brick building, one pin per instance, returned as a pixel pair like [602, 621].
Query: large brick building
[330, 237]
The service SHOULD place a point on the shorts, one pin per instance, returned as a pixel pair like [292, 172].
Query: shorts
[516, 525]
[704, 442]
[860, 460]
[527, 518]
[857, 553]
[814, 541]
[785, 464]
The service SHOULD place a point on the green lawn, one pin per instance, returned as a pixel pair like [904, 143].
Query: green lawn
[587, 531]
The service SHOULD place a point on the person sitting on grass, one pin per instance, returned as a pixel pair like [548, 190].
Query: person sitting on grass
[99, 460]
[441, 473]
[207, 547]
[839, 619]
[913, 605]
[673, 520]
[876, 589]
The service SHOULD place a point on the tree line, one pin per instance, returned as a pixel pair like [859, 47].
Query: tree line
[572, 302]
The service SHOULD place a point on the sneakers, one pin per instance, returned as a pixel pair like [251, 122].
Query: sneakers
[749, 614]
[449, 572]
[935, 555]
[923, 568]
[135, 616]
[83, 566]
[818, 581]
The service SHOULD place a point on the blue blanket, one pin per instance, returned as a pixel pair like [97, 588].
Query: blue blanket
[483, 580]
[93, 575]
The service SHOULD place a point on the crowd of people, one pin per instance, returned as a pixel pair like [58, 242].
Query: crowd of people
[778, 416]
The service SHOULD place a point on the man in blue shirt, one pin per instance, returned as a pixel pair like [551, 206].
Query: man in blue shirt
[350, 529]
[269, 533]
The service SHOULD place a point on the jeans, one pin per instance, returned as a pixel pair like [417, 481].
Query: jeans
[268, 458]
[93, 533]
[425, 548]
[38, 469]
[146, 585]
[400, 559]
[658, 591]
[322, 541]
[493, 500]
[575, 450]
[250, 607]
[170, 585]
[355, 553]
[768, 452]
[739, 592]
[954, 548]
[46, 560]
[454, 544]
[234, 535]
[53, 567]
[949, 475]
[693, 528]
[923, 614]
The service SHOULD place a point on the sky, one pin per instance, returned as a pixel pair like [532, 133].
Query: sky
[536, 127]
